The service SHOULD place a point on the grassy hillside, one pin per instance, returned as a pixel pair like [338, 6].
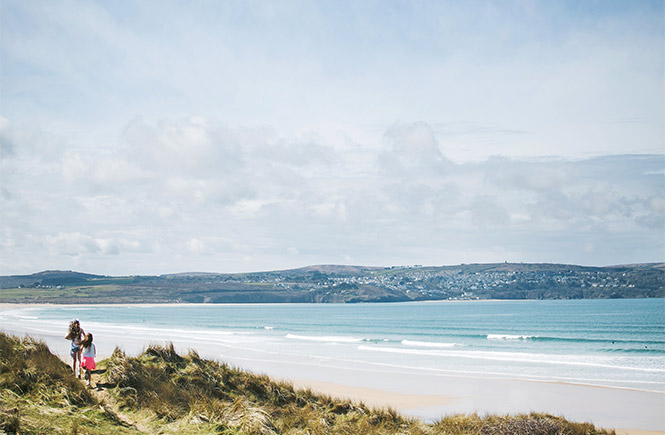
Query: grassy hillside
[345, 284]
[39, 394]
[163, 392]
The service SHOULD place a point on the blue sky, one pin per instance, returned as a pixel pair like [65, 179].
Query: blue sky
[157, 137]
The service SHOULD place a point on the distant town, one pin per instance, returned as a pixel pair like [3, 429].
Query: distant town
[345, 284]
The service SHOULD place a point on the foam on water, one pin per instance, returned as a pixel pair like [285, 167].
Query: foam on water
[508, 337]
[327, 339]
[428, 344]
[591, 341]
[572, 360]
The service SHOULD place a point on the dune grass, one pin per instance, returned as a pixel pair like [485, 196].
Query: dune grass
[160, 391]
[175, 387]
[40, 395]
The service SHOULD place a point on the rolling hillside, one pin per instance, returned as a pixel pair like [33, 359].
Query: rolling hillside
[344, 284]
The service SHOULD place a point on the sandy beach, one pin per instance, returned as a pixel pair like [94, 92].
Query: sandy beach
[416, 393]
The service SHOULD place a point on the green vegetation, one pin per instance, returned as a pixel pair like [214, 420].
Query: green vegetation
[160, 391]
[345, 284]
[40, 395]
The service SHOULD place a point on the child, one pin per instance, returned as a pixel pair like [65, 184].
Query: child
[88, 357]
[76, 335]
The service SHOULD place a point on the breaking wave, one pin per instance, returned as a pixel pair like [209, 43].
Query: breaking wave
[509, 337]
[428, 344]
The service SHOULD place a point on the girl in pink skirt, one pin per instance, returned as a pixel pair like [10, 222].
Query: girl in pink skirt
[88, 357]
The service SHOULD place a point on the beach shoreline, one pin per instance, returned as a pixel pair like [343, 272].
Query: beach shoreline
[413, 393]
[404, 402]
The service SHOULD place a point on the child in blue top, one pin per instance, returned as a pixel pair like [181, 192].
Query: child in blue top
[76, 335]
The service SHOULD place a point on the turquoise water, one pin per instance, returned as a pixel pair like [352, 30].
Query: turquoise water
[617, 343]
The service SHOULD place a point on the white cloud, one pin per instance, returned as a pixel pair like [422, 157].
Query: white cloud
[196, 247]
[419, 202]
[485, 212]
[446, 132]
[186, 146]
[28, 141]
[412, 149]
[657, 204]
[531, 175]
[74, 167]
[116, 170]
[74, 244]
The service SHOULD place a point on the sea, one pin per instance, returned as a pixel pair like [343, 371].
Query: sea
[614, 343]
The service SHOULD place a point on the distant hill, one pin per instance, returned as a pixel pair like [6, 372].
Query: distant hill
[47, 277]
[336, 269]
[346, 284]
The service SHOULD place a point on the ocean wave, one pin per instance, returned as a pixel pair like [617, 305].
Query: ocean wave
[509, 337]
[647, 351]
[76, 308]
[544, 338]
[618, 363]
[327, 339]
[428, 344]
[156, 331]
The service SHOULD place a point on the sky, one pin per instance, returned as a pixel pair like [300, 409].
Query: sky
[151, 137]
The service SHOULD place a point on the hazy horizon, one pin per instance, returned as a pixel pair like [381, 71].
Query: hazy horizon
[147, 138]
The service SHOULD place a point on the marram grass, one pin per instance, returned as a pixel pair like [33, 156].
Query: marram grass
[161, 391]
[40, 395]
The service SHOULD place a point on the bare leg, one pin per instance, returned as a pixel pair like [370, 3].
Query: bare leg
[77, 355]
[76, 361]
